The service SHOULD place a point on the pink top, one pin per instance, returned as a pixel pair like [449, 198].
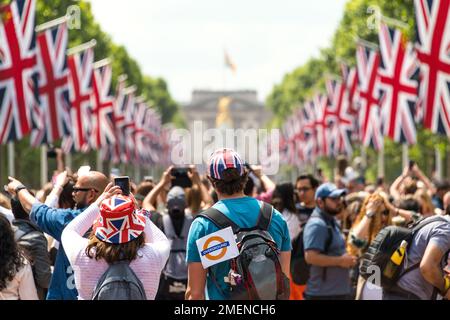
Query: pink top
[147, 266]
[22, 287]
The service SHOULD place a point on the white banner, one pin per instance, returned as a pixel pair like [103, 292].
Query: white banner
[217, 247]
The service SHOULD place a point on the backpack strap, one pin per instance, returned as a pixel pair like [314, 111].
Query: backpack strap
[219, 219]
[328, 242]
[265, 216]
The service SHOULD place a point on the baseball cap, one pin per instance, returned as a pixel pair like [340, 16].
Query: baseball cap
[223, 159]
[329, 190]
[176, 198]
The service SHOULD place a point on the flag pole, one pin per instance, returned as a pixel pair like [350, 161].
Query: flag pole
[82, 47]
[51, 24]
[102, 63]
[44, 165]
[11, 167]
[438, 160]
[405, 157]
[99, 161]
[381, 161]
[69, 160]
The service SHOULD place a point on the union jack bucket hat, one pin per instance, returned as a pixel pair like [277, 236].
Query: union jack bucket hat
[119, 221]
[223, 159]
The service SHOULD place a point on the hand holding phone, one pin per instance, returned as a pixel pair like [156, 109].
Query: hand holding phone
[124, 184]
[181, 177]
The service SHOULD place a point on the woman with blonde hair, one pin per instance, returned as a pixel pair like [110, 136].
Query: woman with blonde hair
[120, 233]
[426, 204]
[373, 216]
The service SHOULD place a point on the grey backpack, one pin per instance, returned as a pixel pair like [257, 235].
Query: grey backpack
[119, 282]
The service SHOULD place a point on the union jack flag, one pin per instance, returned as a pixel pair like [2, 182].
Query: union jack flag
[289, 141]
[141, 145]
[80, 85]
[153, 125]
[340, 118]
[118, 221]
[369, 110]
[118, 151]
[53, 85]
[322, 125]
[130, 128]
[102, 135]
[309, 135]
[433, 52]
[18, 77]
[399, 88]
[350, 80]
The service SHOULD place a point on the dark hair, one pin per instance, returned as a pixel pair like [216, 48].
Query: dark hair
[284, 195]
[65, 198]
[409, 203]
[341, 164]
[312, 180]
[249, 186]
[111, 252]
[11, 258]
[144, 188]
[442, 185]
[17, 210]
[231, 183]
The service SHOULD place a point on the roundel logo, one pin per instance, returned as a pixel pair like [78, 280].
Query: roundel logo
[219, 248]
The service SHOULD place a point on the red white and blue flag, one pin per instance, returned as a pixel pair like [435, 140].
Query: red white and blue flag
[399, 88]
[129, 128]
[322, 125]
[341, 120]
[433, 52]
[118, 150]
[80, 85]
[18, 76]
[102, 134]
[369, 118]
[54, 100]
[309, 135]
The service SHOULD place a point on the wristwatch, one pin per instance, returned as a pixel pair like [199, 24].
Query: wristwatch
[19, 187]
[370, 214]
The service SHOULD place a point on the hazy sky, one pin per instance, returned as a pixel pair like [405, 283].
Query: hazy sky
[183, 41]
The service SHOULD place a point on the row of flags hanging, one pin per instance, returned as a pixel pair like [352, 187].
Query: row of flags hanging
[52, 93]
[393, 88]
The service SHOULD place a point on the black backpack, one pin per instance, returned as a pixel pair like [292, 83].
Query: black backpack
[388, 240]
[299, 267]
[119, 282]
[256, 272]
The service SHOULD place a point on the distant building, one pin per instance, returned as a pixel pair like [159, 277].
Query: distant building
[239, 109]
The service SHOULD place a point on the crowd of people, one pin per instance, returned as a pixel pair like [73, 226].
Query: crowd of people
[68, 240]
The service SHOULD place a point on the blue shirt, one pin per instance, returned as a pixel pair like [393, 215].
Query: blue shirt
[244, 212]
[315, 237]
[53, 221]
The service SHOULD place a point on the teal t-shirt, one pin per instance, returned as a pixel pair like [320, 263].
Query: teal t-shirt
[244, 212]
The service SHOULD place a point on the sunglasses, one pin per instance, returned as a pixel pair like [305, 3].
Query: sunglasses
[304, 189]
[76, 189]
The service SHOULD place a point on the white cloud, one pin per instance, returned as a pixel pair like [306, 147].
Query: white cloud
[183, 40]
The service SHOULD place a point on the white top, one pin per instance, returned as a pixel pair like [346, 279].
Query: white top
[22, 287]
[7, 213]
[147, 266]
[293, 223]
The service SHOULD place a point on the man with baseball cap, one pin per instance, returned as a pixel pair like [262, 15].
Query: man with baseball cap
[324, 243]
[227, 174]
